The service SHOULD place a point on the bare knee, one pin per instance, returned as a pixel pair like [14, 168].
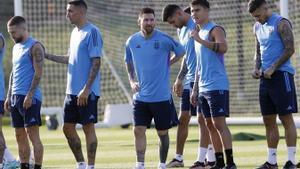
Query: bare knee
[270, 121]
[210, 125]
[184, 119]
[139, 131]
[162, 132]
[68, 129]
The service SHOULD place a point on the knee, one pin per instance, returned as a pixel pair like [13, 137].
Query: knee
[67, 130]
[161, 133]
[210, 125]
[270, 122]
[20, 136]
[184, 119]
[138, 132]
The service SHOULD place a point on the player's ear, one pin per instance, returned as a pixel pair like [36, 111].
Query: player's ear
[139, 21]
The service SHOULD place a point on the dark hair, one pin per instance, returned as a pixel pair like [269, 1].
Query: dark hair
[254, 4]
[80, 3]
[146, 10]
[16, 20]
[203, 3]
[169, 11]
[187, 10]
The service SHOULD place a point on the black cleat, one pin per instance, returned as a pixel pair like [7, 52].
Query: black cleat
[289, 165]
[197, 165]
[267, 165]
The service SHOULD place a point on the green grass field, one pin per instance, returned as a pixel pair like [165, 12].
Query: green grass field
[116, 150]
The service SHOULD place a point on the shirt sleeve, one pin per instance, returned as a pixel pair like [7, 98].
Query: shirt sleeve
[95, 44]
[175, 46]
[128, 54]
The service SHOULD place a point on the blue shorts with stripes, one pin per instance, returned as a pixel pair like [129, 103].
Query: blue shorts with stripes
[278, 95]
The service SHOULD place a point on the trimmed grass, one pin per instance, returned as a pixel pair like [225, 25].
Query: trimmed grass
[116, 149]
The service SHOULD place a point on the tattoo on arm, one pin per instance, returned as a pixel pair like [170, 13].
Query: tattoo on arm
[257, 56]
[130, 71]
[183, 70]
[216, 47]
[96, 62]
[56, 58]
[287, 37]
[9, 85]
[38, 62]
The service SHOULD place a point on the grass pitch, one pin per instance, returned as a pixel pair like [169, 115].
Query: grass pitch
[116, 149]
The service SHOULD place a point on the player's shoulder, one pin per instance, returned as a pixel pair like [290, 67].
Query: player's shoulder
[134, 37]
[163, 36]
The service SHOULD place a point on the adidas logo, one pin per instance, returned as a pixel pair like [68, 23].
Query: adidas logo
[221, 110]
[92, 117]
[32, 120]
[289, 108]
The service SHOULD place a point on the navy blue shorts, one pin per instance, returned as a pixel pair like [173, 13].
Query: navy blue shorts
[214, 103]
[1, 107]
[278, 95]
[25, 117]
[185, 104]
[164, 114]
[81, 114]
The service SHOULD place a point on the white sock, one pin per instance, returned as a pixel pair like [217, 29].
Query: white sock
[81, 165]
[201, 154]
[178, 157]
[272, 155]
[139, 164]
[8, 155]
[90, 167]
[291, 154]
[1, 165]
[210, 155]
[162, 165]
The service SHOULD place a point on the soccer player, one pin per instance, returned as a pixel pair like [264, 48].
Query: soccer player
[5, 154]
[277, 95]
[184, 23]
[211, 80]
[147, 57]
[24, 96]
[83, 82]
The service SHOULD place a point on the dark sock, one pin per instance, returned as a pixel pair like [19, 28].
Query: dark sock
[229, 157]
[220, 159]
[37, 166]
[163, 148]
[24, 166]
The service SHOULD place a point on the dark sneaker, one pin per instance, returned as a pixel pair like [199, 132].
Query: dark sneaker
[289, 165]
[209, 164]
[232, 166]
[298, 165]
[198, 165]
[175, 163]
[267, 165]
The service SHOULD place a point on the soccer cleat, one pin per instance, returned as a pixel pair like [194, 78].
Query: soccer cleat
[209, 164]
[289, 165]
[267, 165]
[198, 165]
[175, 163]
[232, 166]
[11, 164]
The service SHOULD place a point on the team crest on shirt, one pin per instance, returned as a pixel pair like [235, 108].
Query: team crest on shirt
[156, 44]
